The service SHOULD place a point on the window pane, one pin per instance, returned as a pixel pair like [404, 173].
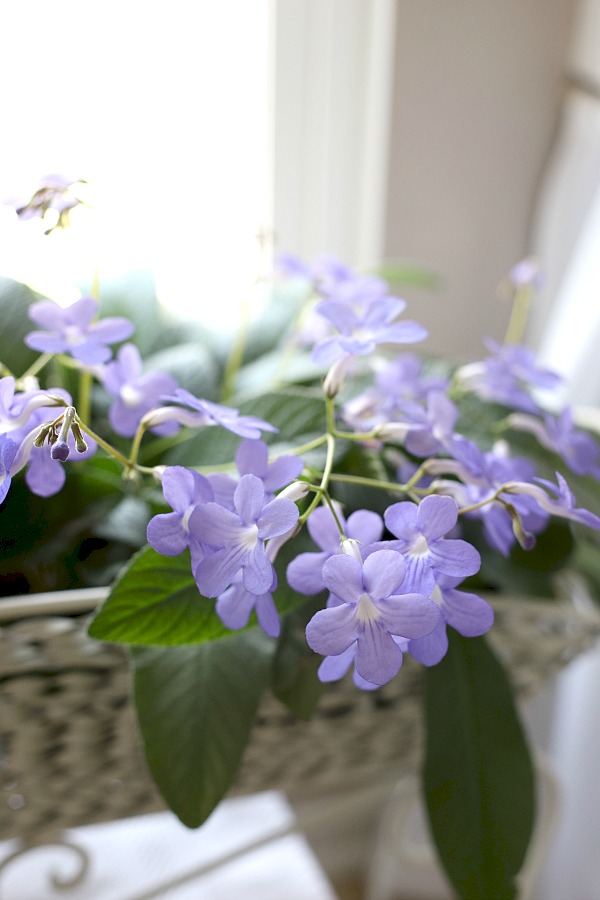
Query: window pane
[163, 109]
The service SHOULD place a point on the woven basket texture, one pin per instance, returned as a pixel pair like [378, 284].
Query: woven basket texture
[70, 752]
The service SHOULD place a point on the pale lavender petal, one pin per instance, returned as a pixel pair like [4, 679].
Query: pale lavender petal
[282, 471]
[215, 525]
[234, 606]
[383, 311]
[266, 613]
[47, 315]
[401, 519]
[323, 529]
[342, 575]
[305, 572]
[277, 517]
[335, 667]
[257, 572]
[469, 614]
[44, 476]
[332, 630]
[165, 534]
[248, 498]
[457, 558]
[179, 485]
[383, 573]
[409, 615]
[432, 648]
[402, 333]
[81, 312]
[419, 578]
[378, 657]
[252, 458]
[218, 570]
[341, 315]
[436, 516]
[90, 352]
[364, 525]
[111, 330]
[44, 342]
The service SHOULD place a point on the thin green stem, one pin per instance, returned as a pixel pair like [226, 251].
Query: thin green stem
[369, 482]
[519, 315]
[236, 355]
[310, 445]
[108, 448]
[324, 479]
[36, 366]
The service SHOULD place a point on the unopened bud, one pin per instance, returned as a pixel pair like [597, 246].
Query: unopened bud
[351, 547]
[393, 431]
[45, 433]
[335, 377]
[294, 491]
[80, 443]
[525, 538]
[60, 450]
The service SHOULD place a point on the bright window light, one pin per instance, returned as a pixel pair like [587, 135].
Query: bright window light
[163, 109]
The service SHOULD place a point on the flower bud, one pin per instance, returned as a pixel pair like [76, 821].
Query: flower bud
[60, 450]
[351, 547]
[294, 491]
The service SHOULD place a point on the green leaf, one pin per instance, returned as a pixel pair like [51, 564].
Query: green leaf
[478, 776]
[156, 601]
[196, 707]
[15, 300]
[294, 676]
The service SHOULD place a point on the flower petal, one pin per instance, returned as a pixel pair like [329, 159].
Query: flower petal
[383, 573]
[332, 630]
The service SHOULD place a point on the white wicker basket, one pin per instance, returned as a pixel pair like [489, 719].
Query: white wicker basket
[69, 747]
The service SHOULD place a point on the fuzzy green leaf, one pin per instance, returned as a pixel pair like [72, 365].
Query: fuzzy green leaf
[478, 776]
[156, 601]
[196, 707]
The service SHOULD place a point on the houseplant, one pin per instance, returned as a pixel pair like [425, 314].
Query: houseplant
[316, 479]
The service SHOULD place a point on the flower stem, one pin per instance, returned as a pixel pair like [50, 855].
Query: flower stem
[36, 366]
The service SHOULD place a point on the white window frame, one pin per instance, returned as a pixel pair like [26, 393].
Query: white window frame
[333, 87]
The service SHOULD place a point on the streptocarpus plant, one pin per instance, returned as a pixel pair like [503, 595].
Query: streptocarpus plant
[370, 491]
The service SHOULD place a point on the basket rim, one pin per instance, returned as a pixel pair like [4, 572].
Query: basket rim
[52, 603]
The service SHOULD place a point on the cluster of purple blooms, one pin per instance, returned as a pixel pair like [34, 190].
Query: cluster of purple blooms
[393, 583]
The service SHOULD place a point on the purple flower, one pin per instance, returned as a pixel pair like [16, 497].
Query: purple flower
[526, 274]
[236, 603]
[420, 532]
[45, 473]
[507, 376]
[8, 449]
[403, 378]
[578, 449]
[204, 412]
[424, 430]
[136, 393]
[466, 613]
[359, 333]
[564, 504]
[73, 330]
[483, 475]
[305, 572]
[170, 533]
[371, 610]
[252, 458]
[53, 192]
[17, 409]
[237, 538]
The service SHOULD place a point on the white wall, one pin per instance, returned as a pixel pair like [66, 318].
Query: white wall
[478, 86]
